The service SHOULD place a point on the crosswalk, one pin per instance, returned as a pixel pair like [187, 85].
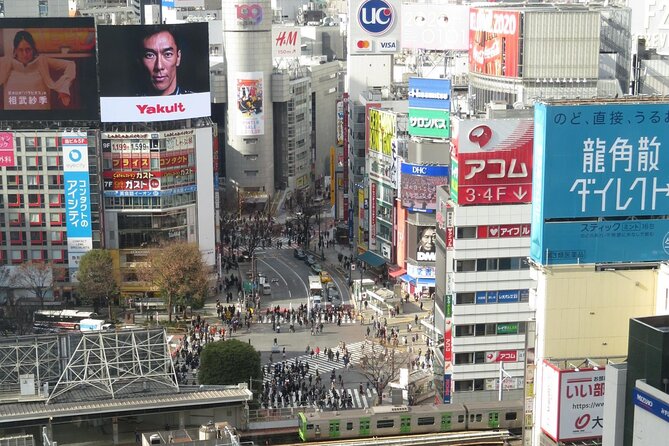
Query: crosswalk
[358, 400]
[264, 319]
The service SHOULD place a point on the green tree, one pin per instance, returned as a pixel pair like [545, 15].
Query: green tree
[97, 281]
[179, 274]
[228, 362]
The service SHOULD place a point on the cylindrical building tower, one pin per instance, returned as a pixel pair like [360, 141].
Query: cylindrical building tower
[249, 148]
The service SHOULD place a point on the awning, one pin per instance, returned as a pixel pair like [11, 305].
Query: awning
[371, 259]
[421, 281]
[398, 272]
[407, 278]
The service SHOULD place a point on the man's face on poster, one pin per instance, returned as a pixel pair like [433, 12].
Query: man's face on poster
[161, 57]
[427, 240]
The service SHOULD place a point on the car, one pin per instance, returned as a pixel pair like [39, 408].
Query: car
[333, 293]
[316, 268]
[325, 277]
[309, 259]
[299, 254]
[266, 289]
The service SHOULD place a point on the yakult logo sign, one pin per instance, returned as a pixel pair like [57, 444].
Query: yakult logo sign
[376, 17]
[250, 14]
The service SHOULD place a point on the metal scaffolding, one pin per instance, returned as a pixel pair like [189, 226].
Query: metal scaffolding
[113, 364]
[28, 355]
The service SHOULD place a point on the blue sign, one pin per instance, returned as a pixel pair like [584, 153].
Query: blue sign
[651, 404]
[350, 224]
[447, 388]
[430, 93]
[508, 296]
[168, 3]
[376, 17]
[492, 297]
[423, 170]
[603, 160]
[602, 241]
[150, 193]
[77, 204]
[480, 297]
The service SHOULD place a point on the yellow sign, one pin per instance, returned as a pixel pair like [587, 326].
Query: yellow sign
[382, 128]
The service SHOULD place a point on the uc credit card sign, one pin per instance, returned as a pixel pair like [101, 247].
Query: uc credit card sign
[597, 162]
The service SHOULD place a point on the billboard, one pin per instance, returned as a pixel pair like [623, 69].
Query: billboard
[154, 72]
[77, 196]
[430, 93]
[250, 95]
[382, 129]
[340, 123]
[48, 69]
[426, 238]
[374, 27]
[419, 183]
[7, 154]
[435, 27]
[606, 165]
[494, 37]
[429, 123]
[493, 161]
[448, 347]
[372, 215]
[572, 403]
[286, 41]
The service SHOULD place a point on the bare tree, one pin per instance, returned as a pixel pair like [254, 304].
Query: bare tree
[179, 273]
[381, 365]
[35, 277]
[303, 209]
[253, 231]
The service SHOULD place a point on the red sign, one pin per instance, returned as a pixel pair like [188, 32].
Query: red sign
[150, 184]
[502, 356]
[7, 158]
[448, 342]
[503, 231]
[493, 42]
[494, 161]
[450, 235]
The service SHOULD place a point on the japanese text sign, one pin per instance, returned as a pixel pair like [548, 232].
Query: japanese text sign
[7, 157]
[493, 161]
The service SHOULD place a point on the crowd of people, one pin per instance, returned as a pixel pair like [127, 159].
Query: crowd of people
[186, 357]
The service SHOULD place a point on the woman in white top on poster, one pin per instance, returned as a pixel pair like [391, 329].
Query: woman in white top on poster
[27, 77]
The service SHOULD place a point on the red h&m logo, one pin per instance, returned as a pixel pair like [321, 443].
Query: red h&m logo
[250, 14]
[286, 38]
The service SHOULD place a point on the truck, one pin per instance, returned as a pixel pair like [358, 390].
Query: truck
[315, 292]
[94, 325]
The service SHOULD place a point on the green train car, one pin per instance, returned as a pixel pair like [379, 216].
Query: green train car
[398, 420]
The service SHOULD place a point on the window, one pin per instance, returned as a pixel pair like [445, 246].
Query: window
[55, 181]
[36, 219]
[479, 357]
[481, 264]
[349, 426]
[385, 424]
[56, 219]
[57, 237]
[16, 237]
[461, 419]
[38, 238]
[34, 181]
[14, 181]
[479, 330]
[510, 416]
[425, 421]
[38, 254]
[465, 265]
[463, 358]
[492, 264]
[34, 200]
[52, 162]
[31, 144]
[464, 232]
[505, 264]
[15, 219]
[466, 385]
[55, 200]
[14, 200]
[18, 256]
[58, 255]
[51, 144]
[251, 173]
[464, 330]
[33, 162]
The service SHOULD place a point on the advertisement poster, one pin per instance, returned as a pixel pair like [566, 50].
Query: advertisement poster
[435, 27]
[429, 123]
[419, 186]
[7, 155]
[493, 160]
[448, 347]
[154, 72]
[382, 129]
[286, 42]
[374, 26]
[372, 215]
[572, 403]
[429, 93]
[494, 37]
[77, 196]
[48, 69]
[426, 244]
[612, 164]
[251, 119]
[340, 122]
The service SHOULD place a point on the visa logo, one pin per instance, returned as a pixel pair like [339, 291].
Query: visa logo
[388, 45]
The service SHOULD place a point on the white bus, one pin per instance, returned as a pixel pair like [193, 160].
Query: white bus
[315, 291]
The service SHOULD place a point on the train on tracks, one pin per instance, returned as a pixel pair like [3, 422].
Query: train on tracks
[396, 420]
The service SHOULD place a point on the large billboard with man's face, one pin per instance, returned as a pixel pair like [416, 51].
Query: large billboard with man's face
[154, 72]
[47, 69]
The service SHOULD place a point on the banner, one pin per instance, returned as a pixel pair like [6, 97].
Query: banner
[250, 94]
[154, 72]
[77, 196]
[494, 37]
[48, 69]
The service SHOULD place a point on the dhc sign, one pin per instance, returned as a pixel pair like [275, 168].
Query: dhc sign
[376, 17]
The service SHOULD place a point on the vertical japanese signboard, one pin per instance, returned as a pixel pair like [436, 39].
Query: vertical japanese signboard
[448, 347]
[572, 403]
[372, 215]
[77, 196]
[494, 37]
[597, 165]
[493, 161]
[7, 155]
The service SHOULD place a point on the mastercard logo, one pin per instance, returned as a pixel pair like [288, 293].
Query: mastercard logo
[364, 45]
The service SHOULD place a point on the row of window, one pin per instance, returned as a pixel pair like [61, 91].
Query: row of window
[471, 358]
[16, 219]
[166, 202]
[491, 264]
[21, 256]
[35, 237]
[491, 329]
[490, 297]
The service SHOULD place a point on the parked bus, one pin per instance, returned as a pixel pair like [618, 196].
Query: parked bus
[54, 320]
